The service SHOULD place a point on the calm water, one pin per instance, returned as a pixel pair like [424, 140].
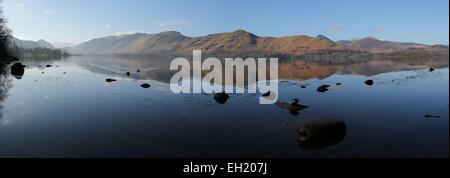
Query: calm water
[69, 110]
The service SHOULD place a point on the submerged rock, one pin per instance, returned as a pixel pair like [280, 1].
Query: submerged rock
[323, 88]
[321, 133]
[338, 84]
[369, 82]
[146, 85]
[17, 70]
[221, 98]
[432, 116]
[110, 80]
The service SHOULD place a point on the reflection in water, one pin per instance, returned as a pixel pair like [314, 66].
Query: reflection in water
[157, 67]
[321, 133]
[5, 85]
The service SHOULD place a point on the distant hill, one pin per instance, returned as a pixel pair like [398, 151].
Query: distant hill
[26, 44]
[374, 45]
[61, 45]
[240, 41]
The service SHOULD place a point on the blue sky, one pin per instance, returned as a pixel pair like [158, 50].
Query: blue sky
[423, 21]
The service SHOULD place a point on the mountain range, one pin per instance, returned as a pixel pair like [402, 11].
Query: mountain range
[28, 44]
[239, 41]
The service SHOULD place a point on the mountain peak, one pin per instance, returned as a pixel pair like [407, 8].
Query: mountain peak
[243, 32]
[370, 38]
[174, 33]
[323, 37]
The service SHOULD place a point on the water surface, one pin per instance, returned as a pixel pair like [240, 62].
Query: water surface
[69, 110]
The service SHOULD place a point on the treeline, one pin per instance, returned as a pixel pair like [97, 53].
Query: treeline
[37, 52]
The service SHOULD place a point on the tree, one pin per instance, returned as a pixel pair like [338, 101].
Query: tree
[4, 36]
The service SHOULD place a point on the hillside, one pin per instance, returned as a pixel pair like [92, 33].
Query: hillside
[27, 44]
[374, 45]
[238, 41]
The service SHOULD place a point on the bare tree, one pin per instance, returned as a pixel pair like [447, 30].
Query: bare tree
[5, 33]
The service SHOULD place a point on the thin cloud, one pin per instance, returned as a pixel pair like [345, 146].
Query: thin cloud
[335, 28]
[48, 12]
[167, 23]
[129, 33]
[377, 29]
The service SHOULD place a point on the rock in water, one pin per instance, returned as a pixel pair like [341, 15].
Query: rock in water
[323, 88]
[369, 82]
[128, 73]
[146, 85]
[321, 133]
[221, 98]
[17, 70]
[294, 109]
[266, 94]
[138, 71]
[338, 84]
[294, 102]
[432, 69]
[49, 66]
[110, 80]
[432, 116]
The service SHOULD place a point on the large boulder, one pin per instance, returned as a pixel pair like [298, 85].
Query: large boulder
[321, 133]
[17, 70]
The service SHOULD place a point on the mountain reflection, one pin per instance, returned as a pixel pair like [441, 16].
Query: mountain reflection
[157, 68]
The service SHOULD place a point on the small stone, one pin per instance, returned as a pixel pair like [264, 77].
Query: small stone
[110, 80]
[294, 102]
[431, 116]
[266, 94]
[146, 85]
[369, 82]
[323, 88]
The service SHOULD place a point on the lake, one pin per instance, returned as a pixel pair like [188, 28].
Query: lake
[69, 110]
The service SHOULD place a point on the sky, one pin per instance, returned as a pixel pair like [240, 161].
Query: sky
[75, 21]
